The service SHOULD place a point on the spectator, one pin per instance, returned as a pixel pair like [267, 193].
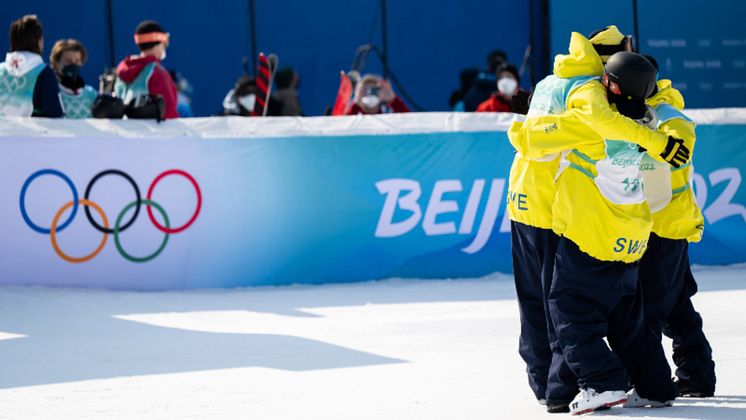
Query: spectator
[484, 85]
[287, 82]
[241, 100]
[508, 82]
[67, 58]
[143, 74]
[28, 87]
[373, 95]
[466, 78]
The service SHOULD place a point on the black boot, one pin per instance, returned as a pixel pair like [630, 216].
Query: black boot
[687, 388]
[558, 407]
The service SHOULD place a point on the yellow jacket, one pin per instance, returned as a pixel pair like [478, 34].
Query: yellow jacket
[681, 218]
[545, 135]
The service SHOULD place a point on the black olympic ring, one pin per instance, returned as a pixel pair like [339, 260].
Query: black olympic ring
[88, 193]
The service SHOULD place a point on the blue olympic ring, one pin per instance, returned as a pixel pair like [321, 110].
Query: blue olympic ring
[26, 184]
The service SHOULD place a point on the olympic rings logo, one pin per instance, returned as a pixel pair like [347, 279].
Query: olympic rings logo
[13, 84]
[119, 227]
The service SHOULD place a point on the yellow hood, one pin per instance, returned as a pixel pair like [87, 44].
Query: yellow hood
[666, 94]
[581, 61]
[609, 36]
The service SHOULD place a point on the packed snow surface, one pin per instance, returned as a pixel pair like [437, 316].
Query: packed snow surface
[394, 349]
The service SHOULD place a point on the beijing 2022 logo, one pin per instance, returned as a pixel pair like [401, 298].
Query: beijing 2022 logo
[119, 227]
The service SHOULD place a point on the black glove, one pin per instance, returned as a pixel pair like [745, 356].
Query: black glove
[520, 102]
[675, 153]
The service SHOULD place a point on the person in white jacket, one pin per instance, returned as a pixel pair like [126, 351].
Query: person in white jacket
[28, 87]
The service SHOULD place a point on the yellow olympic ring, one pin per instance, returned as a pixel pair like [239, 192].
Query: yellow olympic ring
[53, 232]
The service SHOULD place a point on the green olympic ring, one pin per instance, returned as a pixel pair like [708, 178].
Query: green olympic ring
[121, 250]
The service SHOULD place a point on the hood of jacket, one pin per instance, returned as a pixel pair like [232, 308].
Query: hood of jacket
[131, 67]
[22, 62]
[582, 59]
[666, 94]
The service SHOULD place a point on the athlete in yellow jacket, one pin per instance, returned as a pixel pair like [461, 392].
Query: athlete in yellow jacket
[599, 202]
[665, 274]
[600, 212]
[576, 85]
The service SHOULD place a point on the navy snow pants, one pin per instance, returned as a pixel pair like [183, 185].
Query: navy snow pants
[668, 285]
[592, 299]
[533, 252]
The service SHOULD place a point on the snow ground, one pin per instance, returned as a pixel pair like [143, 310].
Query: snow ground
[394, 349]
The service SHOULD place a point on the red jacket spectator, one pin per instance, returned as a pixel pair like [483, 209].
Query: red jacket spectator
[159, 83]
[508, 81]
[496, 103]
[395, 106]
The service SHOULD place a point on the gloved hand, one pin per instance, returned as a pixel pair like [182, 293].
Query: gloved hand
[520, 102]
[675, 153]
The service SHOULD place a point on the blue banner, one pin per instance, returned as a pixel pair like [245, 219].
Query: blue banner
[719, 166]
[223, 203]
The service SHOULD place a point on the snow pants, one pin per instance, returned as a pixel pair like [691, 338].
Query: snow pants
[592, 299]
[668, 285]
[533, 251]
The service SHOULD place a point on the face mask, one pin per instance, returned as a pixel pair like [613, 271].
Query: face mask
[70, 76]
[370, 101]
[71, 71]
[248, 102]
[507, 86]
[163, 56]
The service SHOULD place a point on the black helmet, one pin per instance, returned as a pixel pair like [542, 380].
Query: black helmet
[629, 79]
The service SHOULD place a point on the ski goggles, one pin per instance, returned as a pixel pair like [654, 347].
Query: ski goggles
[150, 37]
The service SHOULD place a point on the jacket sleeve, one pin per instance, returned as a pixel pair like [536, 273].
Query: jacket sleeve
[589, 104]
[46, 97]
[161, 84]
[545, 135]
[397, 105]
[485, 106]
[354, 110]
[681, 129]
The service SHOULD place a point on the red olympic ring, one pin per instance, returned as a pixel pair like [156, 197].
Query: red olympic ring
[196, 212]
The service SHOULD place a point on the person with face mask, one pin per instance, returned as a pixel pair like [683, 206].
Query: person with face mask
[67, 58]
[575, 86]
[28, 87]
[143, 74]
[373, 95]
[508, 82]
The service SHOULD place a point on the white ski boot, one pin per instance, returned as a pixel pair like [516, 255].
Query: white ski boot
[634, 400]
[588, 400]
